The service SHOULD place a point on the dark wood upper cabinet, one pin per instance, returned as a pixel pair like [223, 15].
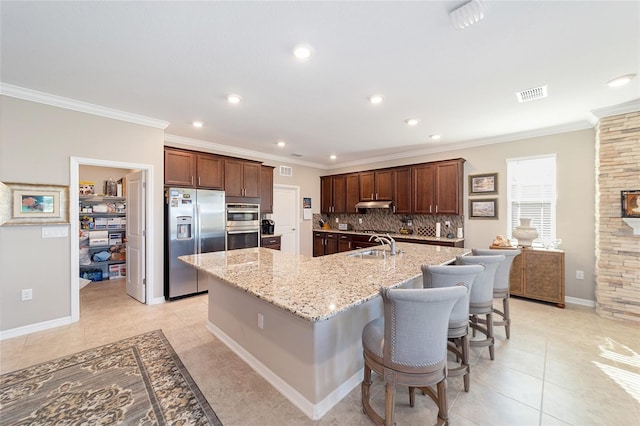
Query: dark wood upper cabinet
[210, 171]
[448, 187]
[179, 167]
[352, 195]
[437, 188]
[376, 185]
[422, 189]
[402, 190]
[242, 178]
[266, 189]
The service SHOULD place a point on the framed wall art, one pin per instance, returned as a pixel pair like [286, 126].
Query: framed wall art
[630, 203]
[484, 184]
[29, 204]
[483, 209]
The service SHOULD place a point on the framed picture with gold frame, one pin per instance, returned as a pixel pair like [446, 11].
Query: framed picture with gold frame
[29, 204]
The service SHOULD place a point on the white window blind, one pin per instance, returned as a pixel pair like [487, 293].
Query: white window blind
[531, 193]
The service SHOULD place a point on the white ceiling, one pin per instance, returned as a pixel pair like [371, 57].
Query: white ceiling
[177, 61]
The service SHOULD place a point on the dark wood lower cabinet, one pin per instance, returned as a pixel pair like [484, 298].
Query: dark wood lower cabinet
[324, 243]
[271, 241]
[538, 274]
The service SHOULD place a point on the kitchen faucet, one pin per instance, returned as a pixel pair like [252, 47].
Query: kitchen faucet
[386, 239]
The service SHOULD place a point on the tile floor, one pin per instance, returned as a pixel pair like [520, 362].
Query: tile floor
[560, 367]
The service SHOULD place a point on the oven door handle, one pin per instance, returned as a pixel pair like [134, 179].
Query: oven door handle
[247, 231]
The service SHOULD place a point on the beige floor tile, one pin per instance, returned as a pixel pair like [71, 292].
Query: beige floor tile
[560, 367]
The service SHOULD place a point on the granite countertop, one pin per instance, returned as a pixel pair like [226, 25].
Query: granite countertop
[318, 288]
[394, 235]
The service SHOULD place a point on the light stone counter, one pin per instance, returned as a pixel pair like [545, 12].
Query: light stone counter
[318, 288]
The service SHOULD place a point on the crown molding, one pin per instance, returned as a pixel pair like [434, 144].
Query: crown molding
[72, 104]
[184, 142]
[441, 147]
[624, 108]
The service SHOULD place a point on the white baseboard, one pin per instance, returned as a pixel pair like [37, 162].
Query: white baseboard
[577, 301]
[311, 410]
[157, 301]
[32, 328]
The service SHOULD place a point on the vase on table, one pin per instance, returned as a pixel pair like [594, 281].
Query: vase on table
[525, 233]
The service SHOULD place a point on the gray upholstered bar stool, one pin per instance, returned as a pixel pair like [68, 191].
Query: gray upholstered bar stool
[458, 333]
[408, 347]
[481, 297]
[501, 285]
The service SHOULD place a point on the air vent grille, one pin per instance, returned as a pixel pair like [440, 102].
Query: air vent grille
[532, 94]
[286, 171]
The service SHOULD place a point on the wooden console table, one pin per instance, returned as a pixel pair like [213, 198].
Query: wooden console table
[538, 274]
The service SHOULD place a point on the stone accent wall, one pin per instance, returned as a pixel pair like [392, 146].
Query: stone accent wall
[617, 249]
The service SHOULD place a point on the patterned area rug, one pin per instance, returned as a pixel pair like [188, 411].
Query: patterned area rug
[139, 380]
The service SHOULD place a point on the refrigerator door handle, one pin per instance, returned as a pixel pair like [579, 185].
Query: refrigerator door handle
[198, 230]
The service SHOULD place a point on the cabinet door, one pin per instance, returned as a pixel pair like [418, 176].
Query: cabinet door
[344, 243]
[326, 194]
[352, 196]
[544, 275]
[448, 188]
[318, 244]
[402, 190]
[210, 169]
[383, 181]
[422, 176]
[339, 194]
[516, 283]
[266, 189]
[179, 167]
[233, 178]
[367, 188]
[251, 179]
[331, 246]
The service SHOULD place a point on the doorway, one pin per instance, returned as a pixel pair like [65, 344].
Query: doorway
[74, 181]
[286, 214]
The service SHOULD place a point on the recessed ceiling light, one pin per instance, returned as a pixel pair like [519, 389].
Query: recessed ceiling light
[333, 157]
[197, 124]
[411, 121]
[376, 99]
[434, 137]
[281, 143]
[620, 81]
[302, 52]
[234, 99]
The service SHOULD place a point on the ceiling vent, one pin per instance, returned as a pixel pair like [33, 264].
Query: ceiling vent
[532, 94]
[286, 171]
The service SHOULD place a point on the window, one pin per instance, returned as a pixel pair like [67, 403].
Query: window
[531, 193]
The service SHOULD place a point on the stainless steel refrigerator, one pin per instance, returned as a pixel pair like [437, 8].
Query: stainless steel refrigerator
[194, 223]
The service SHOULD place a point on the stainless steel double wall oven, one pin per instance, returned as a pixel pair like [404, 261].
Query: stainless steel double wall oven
[243, 225]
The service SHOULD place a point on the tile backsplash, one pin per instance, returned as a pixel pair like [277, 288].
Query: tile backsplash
[385, 220]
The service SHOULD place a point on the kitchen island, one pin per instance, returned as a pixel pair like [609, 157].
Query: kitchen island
[298, 320]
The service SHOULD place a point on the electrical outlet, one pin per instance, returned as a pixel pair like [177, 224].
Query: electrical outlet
[337, 220]
[447, 223]
[360, 220]
[260, 321]
[580, 275]
[27, 294]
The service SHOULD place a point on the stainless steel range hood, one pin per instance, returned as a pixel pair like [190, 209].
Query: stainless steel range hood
[374, 205]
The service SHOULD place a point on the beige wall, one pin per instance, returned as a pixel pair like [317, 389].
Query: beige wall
[576, 194]
[36, 143]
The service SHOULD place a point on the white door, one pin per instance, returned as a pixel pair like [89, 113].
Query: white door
[286, 214]
[136, 241]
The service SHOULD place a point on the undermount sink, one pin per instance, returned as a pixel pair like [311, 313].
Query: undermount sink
[368, 254]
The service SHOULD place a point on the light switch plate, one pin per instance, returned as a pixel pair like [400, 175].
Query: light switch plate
[55, 231]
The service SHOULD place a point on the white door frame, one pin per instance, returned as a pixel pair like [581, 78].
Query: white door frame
[74, 189]
[296, 189]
